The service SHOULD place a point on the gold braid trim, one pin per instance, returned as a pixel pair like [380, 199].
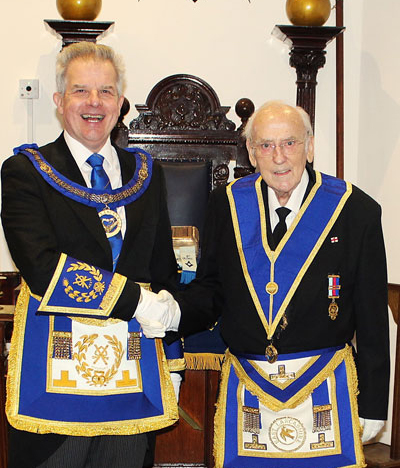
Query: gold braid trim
[219, 419]
[104, 198]
[15, 355]
[352, 383]
[276, 405]
[42, 426]
[176, 365]
[203, 361]
[167, 389]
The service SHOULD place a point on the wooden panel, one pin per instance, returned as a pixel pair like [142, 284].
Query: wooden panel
[378, 456]
[189, 442]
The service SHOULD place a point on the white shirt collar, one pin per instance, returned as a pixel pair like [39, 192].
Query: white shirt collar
[294, 202]
[80, 153]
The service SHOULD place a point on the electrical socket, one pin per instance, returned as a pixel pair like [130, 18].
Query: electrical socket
[29, 89]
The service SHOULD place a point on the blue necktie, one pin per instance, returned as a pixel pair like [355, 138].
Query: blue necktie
[99, 180]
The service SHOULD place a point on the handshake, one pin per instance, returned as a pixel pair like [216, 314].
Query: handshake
[157, 313]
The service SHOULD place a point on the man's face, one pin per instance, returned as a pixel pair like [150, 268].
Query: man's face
[90, 105]
[281, 167]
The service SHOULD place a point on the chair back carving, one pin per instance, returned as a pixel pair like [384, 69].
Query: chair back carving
[183, 119]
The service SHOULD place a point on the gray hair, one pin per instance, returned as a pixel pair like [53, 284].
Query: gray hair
[248, 129]
[88, 51]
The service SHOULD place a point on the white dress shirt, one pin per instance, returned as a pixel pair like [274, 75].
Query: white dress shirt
[111, 166]
[293, 204]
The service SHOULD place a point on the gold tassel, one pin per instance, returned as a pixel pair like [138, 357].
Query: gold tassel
[203, 361]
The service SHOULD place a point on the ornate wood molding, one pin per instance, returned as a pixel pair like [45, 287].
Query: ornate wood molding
[183, 112]
[182, 102]
[77, 31]
[307, 56]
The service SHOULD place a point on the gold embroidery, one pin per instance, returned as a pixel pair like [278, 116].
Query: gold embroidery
[84, 282]
[269, 324]
[276, 405]
[322, 418]
[92, 376]
[64, 381]
[62, 345]
[251, 420]
[168, 416]
[276, 382]
[134, 347]
[255, 444]
[104, 198]
[114, 290]
[107, 304]
[126, 381]
[282, 374]
[322, 444]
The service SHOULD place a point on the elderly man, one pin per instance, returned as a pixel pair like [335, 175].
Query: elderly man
[294, 263]
[87, 226]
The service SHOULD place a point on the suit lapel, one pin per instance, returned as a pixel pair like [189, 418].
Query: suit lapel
[264, 190]
[133, 215]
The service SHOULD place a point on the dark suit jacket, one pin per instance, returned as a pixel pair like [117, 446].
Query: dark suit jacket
[358, 257]
[40, 223]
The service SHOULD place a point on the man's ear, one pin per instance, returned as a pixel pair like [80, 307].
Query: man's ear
[250, 151]
[310, 151]
[59, 102]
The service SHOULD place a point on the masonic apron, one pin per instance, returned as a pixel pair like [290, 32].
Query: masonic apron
[291, 410]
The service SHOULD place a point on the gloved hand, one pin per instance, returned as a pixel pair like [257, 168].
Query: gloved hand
[157, 313]
[371, 427]
[176, 382]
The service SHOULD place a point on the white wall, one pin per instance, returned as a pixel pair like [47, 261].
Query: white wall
[228, 43]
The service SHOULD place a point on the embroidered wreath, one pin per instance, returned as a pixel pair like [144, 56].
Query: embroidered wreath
[79, 296]
[93, 377]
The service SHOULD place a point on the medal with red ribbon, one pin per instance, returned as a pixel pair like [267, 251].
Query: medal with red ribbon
[333, 294]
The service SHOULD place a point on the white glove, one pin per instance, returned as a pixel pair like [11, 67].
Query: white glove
[176, 382]
[371, 427]
[157, 313]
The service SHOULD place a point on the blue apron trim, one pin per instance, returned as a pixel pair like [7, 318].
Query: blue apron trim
[287, 356]
[227, 450]
[36, 402]
[293, 388]
[62, 324]
[286, 266]
[320, 395]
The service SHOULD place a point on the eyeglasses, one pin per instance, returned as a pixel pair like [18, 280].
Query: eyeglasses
[287, 147]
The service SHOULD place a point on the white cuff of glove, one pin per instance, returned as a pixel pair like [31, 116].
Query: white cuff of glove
[371, 427]
[176, 382]
[157, 313]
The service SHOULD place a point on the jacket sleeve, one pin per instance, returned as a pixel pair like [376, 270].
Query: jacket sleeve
[201, 303]
[372, 336]
[33, 241]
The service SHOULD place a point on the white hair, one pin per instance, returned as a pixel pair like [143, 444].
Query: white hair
[88, 51]
[248, 129]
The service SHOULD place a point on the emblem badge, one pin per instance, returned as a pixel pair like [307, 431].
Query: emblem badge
[333, 294]
[85, 283]
[111, 222]
[322, 420]
[99, 367]
[271, 288]
[271, 353]
[287, 434]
